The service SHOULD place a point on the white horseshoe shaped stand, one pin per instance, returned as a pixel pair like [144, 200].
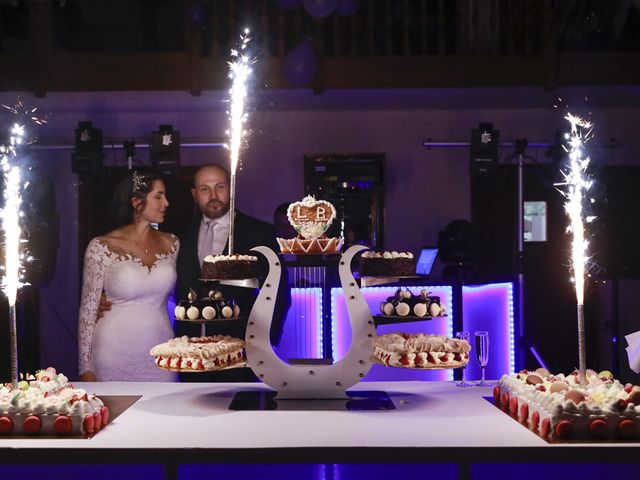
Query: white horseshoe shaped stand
[309, 381]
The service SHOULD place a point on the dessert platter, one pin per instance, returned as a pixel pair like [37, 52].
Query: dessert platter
[210, 308]
[404, 307]
[561, 408]
[209, 353]
[47, 404]
[421, 351]
[199, 354]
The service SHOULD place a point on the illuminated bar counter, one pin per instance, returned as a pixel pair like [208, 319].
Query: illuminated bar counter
[486, 307]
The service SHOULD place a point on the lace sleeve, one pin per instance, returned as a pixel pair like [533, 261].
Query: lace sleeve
[95, 266]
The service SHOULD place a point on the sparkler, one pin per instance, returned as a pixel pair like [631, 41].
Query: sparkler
[239, 71]
[576, 184]
[10, 215]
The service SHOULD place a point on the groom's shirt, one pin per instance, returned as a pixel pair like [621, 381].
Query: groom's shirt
[212, 236]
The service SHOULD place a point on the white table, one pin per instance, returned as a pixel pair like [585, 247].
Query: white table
[191, 423]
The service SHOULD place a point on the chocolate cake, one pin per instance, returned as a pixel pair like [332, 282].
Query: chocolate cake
[229, 267]
[387, 264]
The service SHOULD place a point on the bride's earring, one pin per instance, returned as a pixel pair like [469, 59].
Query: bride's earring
[136, 216]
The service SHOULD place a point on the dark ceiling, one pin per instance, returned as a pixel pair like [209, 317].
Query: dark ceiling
[93, 45]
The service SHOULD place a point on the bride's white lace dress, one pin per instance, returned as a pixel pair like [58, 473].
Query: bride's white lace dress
[116, 347]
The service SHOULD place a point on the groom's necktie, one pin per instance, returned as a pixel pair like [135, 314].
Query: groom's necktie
[205, 242]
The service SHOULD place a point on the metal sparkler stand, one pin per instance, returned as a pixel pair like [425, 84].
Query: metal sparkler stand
[232, 210]
[14, 346]
[582, 356]
[520, 258]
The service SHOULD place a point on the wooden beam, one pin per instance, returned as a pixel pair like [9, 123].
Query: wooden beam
[170, 71]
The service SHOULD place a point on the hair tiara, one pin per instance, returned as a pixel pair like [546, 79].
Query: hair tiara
[138, 182]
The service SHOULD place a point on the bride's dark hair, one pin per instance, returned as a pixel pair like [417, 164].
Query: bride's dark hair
[136, 184]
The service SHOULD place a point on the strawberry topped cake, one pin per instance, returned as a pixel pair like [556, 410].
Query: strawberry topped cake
[559, 407]
[48, 404]
[421, 350]
[199, 354]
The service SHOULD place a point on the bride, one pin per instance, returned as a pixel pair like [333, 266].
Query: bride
[135, 265]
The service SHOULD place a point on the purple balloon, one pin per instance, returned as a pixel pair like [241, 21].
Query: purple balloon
[195, 13]
[347, 7]
[288, 4]
[300, 64]
[320, 8]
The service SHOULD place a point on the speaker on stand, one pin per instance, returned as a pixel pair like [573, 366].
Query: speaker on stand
[616, 255]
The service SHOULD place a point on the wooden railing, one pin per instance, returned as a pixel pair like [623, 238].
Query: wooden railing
[385, 43]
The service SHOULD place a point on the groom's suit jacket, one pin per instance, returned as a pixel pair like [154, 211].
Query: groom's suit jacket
[249, 232]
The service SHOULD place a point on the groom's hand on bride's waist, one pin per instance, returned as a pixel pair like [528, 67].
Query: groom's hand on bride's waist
[104, 305]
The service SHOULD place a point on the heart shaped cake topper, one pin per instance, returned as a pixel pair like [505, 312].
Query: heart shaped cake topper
[311, 218]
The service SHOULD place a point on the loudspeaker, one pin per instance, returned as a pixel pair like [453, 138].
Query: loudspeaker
[484, 151]
[617, 226]
[87, 156]
[165, 150]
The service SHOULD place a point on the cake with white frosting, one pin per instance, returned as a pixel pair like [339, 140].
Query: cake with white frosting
[311, 218]
[229, 267]
[421, 350]
[404, 303]
[559, 407]
[199, 354]
[387, 264]
[48, 404]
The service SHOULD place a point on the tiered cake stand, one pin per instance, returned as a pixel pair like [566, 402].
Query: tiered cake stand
[314, 379]
[310, 381]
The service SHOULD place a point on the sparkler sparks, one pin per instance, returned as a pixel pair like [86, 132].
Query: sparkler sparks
[577, 184]
[26, 114]
[11, 215]
[239, 72]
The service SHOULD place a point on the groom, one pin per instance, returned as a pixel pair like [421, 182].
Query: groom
[211, 193]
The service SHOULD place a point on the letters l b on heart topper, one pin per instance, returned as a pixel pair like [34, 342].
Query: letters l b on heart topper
[311, 218]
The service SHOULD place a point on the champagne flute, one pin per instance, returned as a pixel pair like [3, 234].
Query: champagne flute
[482, 353]
[463, 383]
